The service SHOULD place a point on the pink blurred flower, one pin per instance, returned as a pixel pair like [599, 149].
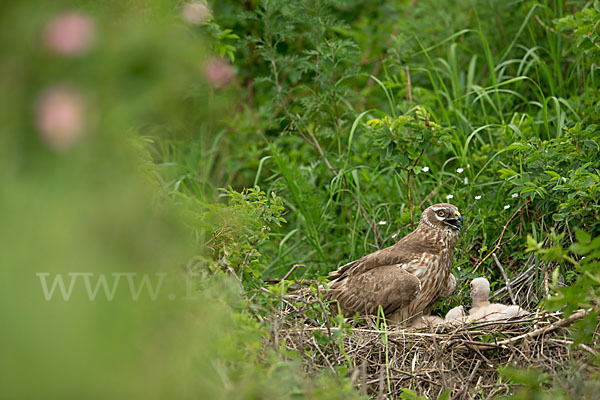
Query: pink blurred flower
[196, 12]
[218, 72]
[59, 117]
[69, 34]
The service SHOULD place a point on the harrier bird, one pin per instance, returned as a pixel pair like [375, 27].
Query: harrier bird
[404, 279]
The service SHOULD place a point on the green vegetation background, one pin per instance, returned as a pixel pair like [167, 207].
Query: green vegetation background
[343, 121]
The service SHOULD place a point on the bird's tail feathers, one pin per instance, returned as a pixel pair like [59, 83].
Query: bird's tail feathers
[340, 272]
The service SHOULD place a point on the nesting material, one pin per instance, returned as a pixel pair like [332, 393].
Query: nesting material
[464, 359]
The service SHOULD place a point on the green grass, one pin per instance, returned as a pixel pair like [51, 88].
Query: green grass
[350, 116]
[361, 122]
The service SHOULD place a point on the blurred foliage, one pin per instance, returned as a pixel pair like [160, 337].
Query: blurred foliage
[535, 384]
[94, 89]
[332, 124]
[583, 256]
[232, 234]
[584, 24]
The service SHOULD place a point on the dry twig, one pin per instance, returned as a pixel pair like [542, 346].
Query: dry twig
[508, 287]
[455, 358]
[501, 235]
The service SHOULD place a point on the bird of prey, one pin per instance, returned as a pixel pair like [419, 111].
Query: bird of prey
[406, 278]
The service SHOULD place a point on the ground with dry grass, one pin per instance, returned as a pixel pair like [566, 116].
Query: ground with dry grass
[463, 360]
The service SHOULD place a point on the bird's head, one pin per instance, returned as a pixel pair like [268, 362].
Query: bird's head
[480, 289]
[443, 216]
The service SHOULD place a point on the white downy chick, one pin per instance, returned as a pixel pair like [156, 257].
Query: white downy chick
[513, 311]
[483, 310]
[456, 315]
[427, 321]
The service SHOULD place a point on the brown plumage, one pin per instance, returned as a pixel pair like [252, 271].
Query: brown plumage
[404, 279]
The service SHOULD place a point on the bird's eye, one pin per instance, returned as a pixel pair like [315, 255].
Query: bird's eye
[440, 213]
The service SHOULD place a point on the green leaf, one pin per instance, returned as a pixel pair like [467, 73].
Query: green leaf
[518, 146]
[506, 173]
[583, 236]
[583, 331]
[553, 174]
[445, 395]
[532, 245]
[558, 217]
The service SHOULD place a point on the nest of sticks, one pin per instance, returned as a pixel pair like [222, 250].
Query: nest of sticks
[383, 360]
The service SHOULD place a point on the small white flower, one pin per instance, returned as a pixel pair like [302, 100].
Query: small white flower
[466, 180]
[382, 223]
[506, 207]
[425, 169]
[477, 197]
[458, 268]
[468, 165]
[515, 195]
[460, 170]
[450, 196]
[394, 235]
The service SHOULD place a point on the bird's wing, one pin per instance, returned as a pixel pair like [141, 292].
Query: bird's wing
[390, 287]
[380, 258]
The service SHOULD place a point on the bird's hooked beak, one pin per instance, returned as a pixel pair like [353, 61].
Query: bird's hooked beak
[456, 222]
